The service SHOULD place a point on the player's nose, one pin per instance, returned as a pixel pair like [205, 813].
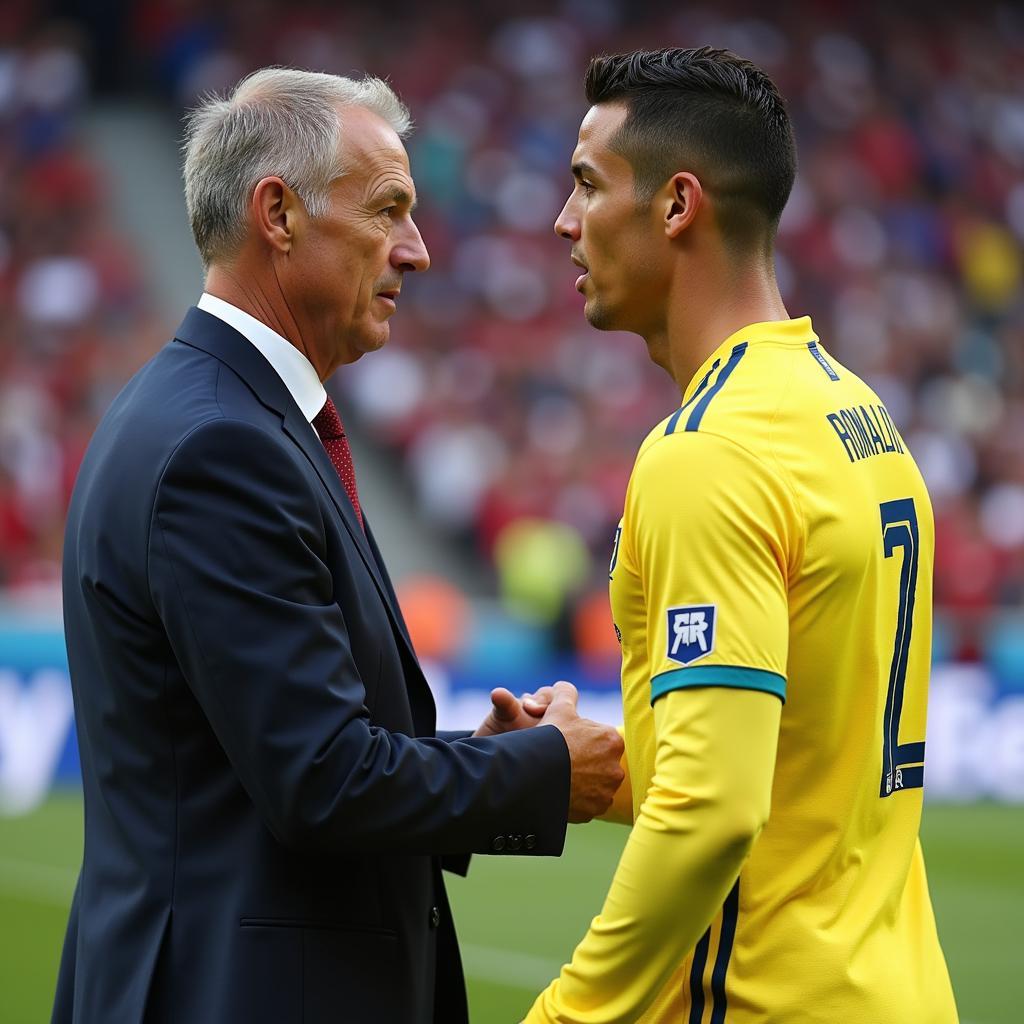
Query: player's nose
[567, 224]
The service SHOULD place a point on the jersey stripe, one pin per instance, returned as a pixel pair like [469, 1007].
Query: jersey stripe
[700, 959]
[812, 347]
[693, 423]
[730, 913]
[671, 425]
[737, 677]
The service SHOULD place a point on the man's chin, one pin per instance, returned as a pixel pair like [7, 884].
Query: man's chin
[597, 315]
[376, 338]
[364, 342]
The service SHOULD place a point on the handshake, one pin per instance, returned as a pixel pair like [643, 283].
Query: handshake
[595, 750]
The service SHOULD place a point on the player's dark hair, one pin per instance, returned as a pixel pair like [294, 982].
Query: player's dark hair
[710, 112]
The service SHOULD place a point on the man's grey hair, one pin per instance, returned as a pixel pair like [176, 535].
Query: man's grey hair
[277, 121]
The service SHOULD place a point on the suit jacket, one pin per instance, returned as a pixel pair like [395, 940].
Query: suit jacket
[266, 801]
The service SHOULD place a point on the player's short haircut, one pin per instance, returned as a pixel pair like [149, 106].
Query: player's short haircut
[710, 112]
[277, 121]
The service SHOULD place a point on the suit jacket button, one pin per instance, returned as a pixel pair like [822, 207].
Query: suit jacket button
[435, 917]
[531, 842]
[499, 844]
[515, 842]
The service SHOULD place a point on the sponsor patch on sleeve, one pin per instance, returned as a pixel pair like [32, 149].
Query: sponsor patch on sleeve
[691, 632]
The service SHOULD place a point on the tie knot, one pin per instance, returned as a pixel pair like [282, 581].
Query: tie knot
[327, 422]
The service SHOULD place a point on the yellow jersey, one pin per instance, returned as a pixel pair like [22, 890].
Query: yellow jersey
[812, 582]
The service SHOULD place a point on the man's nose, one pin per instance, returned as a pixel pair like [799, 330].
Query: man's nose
[410, 252]
[567, 224]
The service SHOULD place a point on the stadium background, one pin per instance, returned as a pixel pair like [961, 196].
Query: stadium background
[495, 433]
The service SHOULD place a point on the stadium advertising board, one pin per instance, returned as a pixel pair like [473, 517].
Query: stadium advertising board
[975, 743]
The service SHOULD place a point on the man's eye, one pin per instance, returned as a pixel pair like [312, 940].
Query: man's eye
[586, 186]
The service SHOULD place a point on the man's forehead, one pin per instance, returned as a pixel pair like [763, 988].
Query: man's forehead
[597, 130]
[369, 137]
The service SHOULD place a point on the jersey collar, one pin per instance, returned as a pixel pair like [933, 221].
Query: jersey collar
[779, 332]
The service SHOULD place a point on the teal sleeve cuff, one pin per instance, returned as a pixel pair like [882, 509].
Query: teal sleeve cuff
[735, 676]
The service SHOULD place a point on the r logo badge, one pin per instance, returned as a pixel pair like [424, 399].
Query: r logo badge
[691, 632]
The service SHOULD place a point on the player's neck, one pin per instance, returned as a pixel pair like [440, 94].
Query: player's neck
[712, 306]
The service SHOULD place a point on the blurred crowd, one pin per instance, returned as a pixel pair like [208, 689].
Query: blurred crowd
[74, 318]
[516, 422]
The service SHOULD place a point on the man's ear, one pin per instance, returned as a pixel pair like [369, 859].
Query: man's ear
[683, 200]
[274, 209]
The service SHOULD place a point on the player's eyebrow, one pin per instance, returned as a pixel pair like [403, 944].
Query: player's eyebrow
[581, 169]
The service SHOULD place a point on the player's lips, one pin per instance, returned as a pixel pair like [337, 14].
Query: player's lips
[581, 280]
[390, 297]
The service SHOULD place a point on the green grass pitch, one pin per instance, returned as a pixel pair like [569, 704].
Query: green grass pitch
[519, 918]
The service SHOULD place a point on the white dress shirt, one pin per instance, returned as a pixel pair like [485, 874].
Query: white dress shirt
[290, 364]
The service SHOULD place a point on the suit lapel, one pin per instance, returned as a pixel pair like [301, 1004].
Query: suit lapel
[421, 697]
[378, 559]
[205, 331]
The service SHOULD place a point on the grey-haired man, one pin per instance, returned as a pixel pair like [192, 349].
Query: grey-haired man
[267, 801]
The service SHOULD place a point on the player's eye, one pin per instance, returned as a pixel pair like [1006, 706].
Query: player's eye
[586, 186]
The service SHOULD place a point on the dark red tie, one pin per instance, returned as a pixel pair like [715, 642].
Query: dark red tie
[327, 424]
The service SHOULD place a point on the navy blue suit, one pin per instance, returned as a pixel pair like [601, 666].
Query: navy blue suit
[266, 800]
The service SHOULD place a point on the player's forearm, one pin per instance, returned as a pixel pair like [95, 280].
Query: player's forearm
[703, 811]
[621, 810]
[642, 933]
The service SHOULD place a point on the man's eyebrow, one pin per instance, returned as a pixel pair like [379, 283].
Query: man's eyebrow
[399, 195]
[582, 169]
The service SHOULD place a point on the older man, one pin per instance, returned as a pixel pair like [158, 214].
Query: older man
[266, 799]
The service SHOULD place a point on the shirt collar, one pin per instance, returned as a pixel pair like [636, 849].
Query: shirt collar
[294, 369]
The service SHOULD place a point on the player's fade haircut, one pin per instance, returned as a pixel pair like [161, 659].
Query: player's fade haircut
[276, 121]
[710, 112]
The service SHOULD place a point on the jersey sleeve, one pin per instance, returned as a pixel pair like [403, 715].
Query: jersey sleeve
[714, 532]
[702, 812]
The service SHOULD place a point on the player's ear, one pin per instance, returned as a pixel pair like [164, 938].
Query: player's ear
[682, 201]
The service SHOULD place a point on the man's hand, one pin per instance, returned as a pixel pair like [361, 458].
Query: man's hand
[509, 713]
[594, 750]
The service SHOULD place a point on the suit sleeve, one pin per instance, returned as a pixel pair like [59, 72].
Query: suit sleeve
[451, 735]
[456, 863]
[238, 574]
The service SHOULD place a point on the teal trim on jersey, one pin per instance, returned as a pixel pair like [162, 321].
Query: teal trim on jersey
[733, 676]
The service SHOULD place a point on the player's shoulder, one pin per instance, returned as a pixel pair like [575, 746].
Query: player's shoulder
[768, 390]
[763, 378]
[736, 398]
[656, 433]
[671, 458]
[777, 381]
[761, 391]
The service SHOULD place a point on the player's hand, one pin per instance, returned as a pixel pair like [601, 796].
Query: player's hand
[594, 750]
[509, 713]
